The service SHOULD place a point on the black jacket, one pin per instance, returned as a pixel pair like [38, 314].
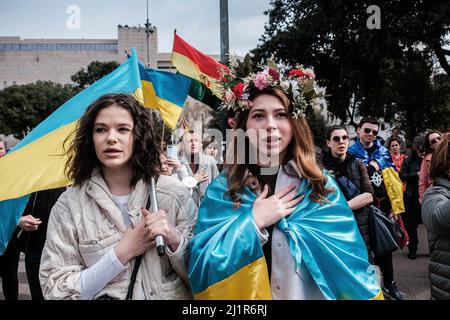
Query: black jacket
[408, 174]
[39, 206]
[351, 168]
[436, 217]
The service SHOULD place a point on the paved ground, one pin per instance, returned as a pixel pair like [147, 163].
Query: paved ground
[411, 275]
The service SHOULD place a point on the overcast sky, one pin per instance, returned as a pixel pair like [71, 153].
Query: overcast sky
[197, 21]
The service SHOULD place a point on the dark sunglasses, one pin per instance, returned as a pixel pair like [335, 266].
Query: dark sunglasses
[337, 138]
[374, 132]
[433, 141]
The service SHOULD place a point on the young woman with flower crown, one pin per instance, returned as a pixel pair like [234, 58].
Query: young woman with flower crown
[277, 227]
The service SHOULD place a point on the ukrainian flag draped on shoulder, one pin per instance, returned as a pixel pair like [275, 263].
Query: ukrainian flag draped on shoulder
[392, 182]
[37, 162]
[227, 261]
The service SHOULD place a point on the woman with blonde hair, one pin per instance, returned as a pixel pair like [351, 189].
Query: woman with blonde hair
[273, 224]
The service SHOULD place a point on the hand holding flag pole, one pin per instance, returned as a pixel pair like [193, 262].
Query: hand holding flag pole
[160, 243]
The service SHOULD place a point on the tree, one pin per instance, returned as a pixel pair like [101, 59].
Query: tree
[95, 71]
[355, 64]
[22, 107]
[318, 126]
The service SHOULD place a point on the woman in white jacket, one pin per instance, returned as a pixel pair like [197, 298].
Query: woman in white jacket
[98, 226]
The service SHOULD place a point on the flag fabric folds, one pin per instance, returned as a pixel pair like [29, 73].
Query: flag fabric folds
[165, 91]
[392, 182]
[198, 66]
[227, 261]
[37, 162]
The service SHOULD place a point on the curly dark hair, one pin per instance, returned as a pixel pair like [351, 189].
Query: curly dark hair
[82, 159]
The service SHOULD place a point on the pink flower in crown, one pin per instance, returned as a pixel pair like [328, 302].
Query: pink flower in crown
[309, 73]
[261, 80]
[273, 73]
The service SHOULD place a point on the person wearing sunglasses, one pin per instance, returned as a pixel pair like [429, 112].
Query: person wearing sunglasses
[352, 178]
[432, 141]
[388, 190]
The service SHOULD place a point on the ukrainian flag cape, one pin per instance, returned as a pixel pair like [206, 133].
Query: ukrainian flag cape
[391, 178]
[227, 261]
[37, 162]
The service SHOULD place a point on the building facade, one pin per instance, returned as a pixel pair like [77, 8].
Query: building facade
[28, 60]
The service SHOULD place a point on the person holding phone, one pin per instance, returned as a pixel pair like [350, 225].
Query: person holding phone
[198, 165]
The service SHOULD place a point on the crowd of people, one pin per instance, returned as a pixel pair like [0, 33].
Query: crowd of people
[291, 224]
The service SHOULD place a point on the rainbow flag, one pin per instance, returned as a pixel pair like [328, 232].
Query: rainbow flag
[37, 162]
[198, 66]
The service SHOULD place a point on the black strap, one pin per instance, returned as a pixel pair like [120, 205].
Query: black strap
[138, 260]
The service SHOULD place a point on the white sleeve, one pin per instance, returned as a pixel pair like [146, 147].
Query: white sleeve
[96, 277]
[263, 234]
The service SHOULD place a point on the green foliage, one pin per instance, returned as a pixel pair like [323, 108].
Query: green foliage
[364, 70]
[22, 107]
[217, 121]
[95, 71]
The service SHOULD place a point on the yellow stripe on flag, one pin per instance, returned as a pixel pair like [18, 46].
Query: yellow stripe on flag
[239, 287]
[45, 161]
[188, 68]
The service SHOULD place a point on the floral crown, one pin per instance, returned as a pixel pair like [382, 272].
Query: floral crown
[239, 81]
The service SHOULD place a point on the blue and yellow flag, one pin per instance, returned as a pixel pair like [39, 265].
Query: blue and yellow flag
[227, 260]
[37, 162]
[391, 179]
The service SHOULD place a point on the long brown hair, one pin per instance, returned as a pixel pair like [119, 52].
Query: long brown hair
[82, 159]
[440, 162]
[301, 149]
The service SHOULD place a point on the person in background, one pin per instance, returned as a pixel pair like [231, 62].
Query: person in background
[198, 165]
[98, 227]
[212, 148]
[387, 186]
[397, 157]
[432, 141]
[9, 261]
[410, 175]
[396, 135]
[436, 217]
[2, 148]
[351, 176]
[32, 239]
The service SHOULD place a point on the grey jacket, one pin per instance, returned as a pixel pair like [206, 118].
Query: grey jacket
[208, 163]
[436, 217]
[85, 224]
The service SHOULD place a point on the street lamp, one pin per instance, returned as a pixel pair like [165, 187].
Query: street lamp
[148, 30]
